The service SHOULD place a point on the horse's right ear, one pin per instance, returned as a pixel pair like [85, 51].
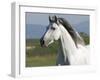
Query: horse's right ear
[50, 19]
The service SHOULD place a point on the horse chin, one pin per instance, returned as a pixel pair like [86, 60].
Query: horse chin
[45, 45]
[48, 43]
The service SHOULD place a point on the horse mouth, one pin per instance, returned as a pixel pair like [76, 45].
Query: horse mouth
[44, 43]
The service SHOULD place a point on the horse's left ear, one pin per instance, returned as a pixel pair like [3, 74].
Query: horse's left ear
[56, 19]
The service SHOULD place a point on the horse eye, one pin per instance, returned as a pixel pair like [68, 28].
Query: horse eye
[53, 28]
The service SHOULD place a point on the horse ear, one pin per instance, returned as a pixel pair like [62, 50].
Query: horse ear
[50, 19]
[55, 18]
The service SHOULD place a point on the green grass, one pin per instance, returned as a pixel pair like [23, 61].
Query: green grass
[40, 56]
[46, 60]
[85, 38]
[38, 50]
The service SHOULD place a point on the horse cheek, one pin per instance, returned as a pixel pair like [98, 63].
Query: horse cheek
[57, 35]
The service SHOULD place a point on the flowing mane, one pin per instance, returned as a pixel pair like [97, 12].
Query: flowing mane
[75, 36]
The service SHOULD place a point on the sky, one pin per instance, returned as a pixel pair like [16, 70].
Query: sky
[41, 20]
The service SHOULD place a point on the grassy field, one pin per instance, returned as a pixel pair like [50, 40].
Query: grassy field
[46, 60]
[38, 56]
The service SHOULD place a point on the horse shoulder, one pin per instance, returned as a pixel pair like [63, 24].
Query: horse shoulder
[83, 54]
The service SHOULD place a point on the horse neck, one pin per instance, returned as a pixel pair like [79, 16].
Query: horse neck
[67, 44]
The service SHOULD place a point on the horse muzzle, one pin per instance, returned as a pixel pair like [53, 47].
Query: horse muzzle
[42, 43]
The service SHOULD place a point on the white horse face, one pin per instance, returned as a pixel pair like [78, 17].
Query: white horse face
[52, 33]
